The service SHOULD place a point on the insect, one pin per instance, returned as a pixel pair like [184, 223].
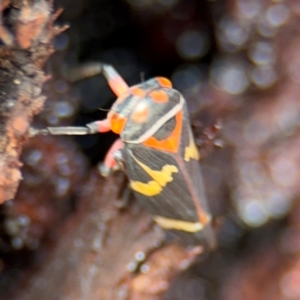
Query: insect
[158, 152]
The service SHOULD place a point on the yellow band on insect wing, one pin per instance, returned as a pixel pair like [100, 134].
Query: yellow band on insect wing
[174, 224]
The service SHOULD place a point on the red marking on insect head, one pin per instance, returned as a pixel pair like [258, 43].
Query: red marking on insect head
[159, 96]
[164, 82]
[136, 91]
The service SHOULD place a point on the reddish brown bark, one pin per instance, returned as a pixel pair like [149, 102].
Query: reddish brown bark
[22, 77]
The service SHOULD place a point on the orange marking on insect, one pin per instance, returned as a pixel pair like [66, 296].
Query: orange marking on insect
[117, 122]
[136, 91]
[118, 85]
[140, 113]
[159, 96]
[171, 143]
[164, 82]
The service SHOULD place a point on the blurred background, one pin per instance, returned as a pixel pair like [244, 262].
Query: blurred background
[237, 63]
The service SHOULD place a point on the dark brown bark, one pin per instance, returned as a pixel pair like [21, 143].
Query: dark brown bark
[96, 251]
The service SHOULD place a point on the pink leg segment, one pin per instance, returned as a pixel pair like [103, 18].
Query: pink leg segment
[115, 81]
[118, 85]
[109, 161]
[103, 125]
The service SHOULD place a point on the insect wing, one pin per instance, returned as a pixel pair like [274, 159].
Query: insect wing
[169, 182]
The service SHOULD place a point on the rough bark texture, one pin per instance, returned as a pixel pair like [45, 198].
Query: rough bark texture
[21, 79]
[96, 251]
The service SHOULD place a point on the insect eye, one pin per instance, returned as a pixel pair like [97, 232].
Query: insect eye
[117, 122]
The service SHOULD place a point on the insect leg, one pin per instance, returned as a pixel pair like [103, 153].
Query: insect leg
[114, 79]
[116, 83]
[110, 164]
[91, 128]
[119, 158]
